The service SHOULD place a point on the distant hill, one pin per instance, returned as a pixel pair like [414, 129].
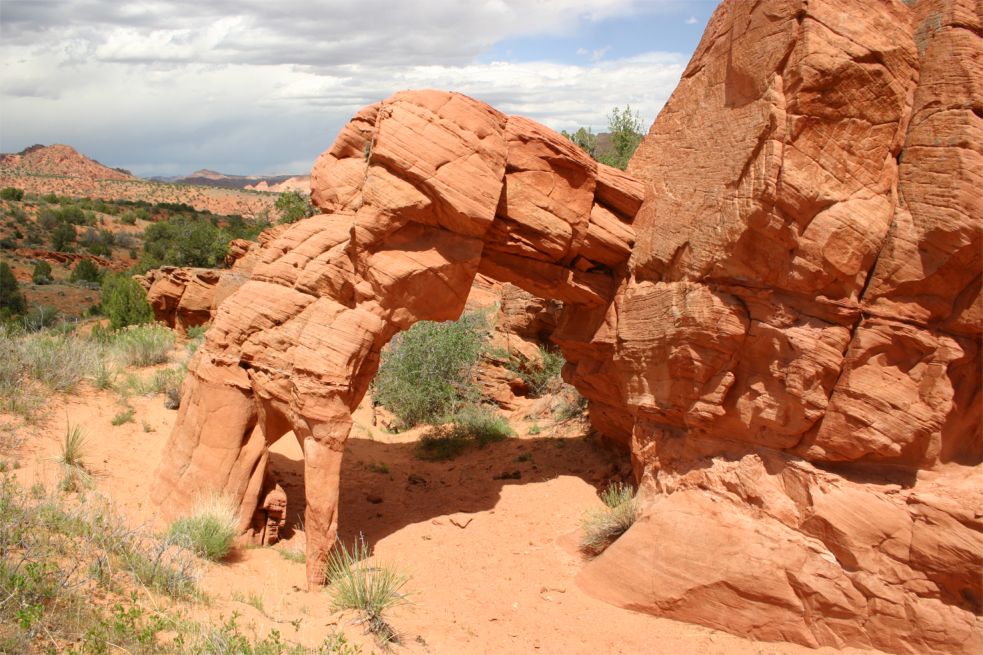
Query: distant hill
[301, 183]
[206, 177]
[60, 160]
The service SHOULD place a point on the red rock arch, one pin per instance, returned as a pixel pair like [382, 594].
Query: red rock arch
[419, 192]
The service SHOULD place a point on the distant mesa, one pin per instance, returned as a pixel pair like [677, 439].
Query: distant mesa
[59, 160]
[207, 177]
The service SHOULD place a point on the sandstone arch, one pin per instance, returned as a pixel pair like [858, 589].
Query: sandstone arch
[419, 192]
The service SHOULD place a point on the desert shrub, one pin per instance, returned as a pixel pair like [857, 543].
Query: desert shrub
[40, 317]
[11, 193]
[103, 375]
[85, 271]
[440, 444]
[62, 236]
[59, 362]
[481, 424]
[293, 206]
[541, 377]
[211, 528]
[369, 589]
[428, 371]
[142, 345]
[124, 301]
[193, 240]
[601, 527]
[42, 273]
[12, 301]
[98, 242]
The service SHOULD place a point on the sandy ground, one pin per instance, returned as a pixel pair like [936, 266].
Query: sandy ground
[492, 561]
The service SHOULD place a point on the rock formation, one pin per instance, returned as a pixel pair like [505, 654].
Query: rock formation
[800, 342]
[420, 193]
[791, 355]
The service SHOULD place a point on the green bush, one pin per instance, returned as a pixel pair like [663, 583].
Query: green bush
[625, 127]
[602, 527]
[11, 193]
[42, 273]
[12, 301]
[293, 206]
[428, 371]
[124, 301]
[211, 528]
[193, 240]
[85, 271]
[62, 236]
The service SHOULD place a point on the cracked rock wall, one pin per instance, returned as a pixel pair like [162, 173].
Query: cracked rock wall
[800, 340]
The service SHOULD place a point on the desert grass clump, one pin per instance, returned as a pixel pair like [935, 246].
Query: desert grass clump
[481, 424]
[143, 345]
[210, 529]
[59, 362]
[602, 527]
[124, 416]
[369, 589]
[103, 375]
[75, 475]
[440, 443]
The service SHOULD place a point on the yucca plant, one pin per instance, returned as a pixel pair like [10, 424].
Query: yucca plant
[368, 589]
[74, 473]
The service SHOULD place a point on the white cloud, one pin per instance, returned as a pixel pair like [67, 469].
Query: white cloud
[691, 20]
[245, 86]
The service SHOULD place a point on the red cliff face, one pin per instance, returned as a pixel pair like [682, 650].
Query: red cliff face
[800, 341]
[785, 334]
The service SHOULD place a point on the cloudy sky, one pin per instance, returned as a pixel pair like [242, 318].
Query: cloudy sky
[165, 87]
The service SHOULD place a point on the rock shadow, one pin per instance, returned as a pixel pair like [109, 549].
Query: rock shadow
[385, 488]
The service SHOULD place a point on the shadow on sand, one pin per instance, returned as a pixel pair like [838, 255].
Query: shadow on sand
[384, 487]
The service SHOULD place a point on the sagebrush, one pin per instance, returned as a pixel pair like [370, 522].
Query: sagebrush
[428, 371]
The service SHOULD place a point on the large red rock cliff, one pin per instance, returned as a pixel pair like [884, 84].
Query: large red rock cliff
[800, 341]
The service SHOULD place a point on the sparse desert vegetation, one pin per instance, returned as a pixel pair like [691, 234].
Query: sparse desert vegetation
[211, 528]
[601, 527]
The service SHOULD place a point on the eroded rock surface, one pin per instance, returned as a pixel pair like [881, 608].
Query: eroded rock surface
[800, 341]
[791, 354]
